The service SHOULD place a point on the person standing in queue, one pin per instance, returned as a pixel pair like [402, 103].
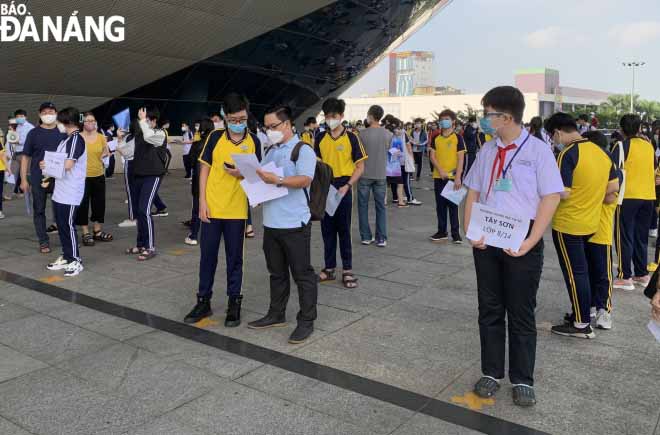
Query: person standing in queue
[223, 209]
[288, 226]
[344, 153]
[507, 281]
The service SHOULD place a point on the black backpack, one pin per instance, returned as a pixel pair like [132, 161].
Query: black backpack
[319, 187]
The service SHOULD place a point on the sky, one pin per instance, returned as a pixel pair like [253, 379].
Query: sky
[478, 44]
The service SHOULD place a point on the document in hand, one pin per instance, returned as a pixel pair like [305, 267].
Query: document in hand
[248, 164]
[10, 179]
[260, 192]
[123, 119]
[54, 164]
[501, 229]
[332, 203]
[455, 196]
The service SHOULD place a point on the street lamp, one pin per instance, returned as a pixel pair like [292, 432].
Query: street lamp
[633, 65]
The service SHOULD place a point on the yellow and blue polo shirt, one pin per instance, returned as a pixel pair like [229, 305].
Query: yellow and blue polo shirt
[3, 164]
[341, 153]
[446, 151]
[586, 171]
[639, 164]
[307, 137]
[224, 195]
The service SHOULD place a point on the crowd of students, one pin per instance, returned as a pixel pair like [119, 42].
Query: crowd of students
[559, 173]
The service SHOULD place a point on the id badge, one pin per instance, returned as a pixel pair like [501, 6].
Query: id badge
[503, 185]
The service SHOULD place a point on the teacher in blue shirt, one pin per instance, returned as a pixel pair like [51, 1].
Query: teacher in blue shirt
[287, 226]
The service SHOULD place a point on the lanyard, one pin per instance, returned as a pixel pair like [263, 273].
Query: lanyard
[514, 156]
[503, 157]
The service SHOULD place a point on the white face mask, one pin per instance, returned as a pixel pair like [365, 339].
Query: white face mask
[184, 129]
[219, 124]
[48, 119]
[61, 128]
[333, 123]
[274, 136]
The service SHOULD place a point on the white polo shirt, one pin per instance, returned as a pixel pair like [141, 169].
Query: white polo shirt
[70, 189]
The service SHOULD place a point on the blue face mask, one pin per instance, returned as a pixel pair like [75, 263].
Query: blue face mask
[20, 121]
[445, 123]
[486, 126]
[237, 128]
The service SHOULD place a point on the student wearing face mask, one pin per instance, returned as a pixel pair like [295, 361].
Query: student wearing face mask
[97, 150]
[23, 127]
[126, 148]
[223, 209]
[310, 126]
[419, 139]
[187, 140]
[150, 160]
[343, 151]
[14, 166]
[447, 155]
[288, 226]
[45, 137]
[158, 203]
[217, 118]
[486, 132]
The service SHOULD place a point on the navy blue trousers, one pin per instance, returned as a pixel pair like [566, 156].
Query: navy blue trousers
[65, 218]
[194, 218]
[338, 226]
[146, 188]
[443, 206]
[599, 261]
[572, 253]
[233, 231]
[631, 236]
[129, 184]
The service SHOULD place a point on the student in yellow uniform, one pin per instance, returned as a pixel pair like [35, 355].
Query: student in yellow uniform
[590, 180]
[447, 154]
[310, 128]
[633, 216]
[344, 153]
[223, 209]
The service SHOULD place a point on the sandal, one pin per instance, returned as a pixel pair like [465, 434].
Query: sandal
[52, 228]
[44, 249]
[349, 280]
[88, 239]
[102, 236]
[134, 251]
[330, 275]
[147, 254]
[250, 234]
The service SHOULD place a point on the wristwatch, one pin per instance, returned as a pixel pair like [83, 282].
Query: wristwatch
[280, 180]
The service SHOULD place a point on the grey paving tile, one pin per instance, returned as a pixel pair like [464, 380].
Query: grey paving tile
[422, 424]
[170, 425]
[50, 340]
[378, 416]
[30, 299]
[110, 326]
[14, 364]
[9, 428]
[9, 311]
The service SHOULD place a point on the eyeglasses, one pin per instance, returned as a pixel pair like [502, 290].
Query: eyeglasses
[494, 114]
[274, 126]
[237, 120]
[89, 121]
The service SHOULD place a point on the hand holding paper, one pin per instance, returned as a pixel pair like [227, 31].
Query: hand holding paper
[455, 196]
[54, 164]
[500, 229]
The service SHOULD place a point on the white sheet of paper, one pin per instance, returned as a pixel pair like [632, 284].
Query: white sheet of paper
[248, 165]
[260, 192]
[655, 329]
[502, 229]
[455, 196]
[10, 179]
[394, 151]
[54, 164]
[112, 145]
[332, 203]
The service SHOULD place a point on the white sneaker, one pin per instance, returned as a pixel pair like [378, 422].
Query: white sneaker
[73, 268]
[127, 223]
[368, 242]
[653, 233]
[593, 313]
[58, 264]
[604, 320]
[191, 242]
[2, 215]
[416, 202]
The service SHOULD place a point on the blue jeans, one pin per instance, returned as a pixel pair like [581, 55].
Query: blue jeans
[365, 187]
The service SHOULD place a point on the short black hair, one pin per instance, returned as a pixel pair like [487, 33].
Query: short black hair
[506, 99]
[583, 117]
[472, 118]
[153, 114]
[630, 124]
[282, 111]
[561, 121]
[333, 105]
[596, 137]
[69, 116]
[164, 121]
[448, 112]
[536, 123]
[309, 121]
[234, 103]
[20, 112]
[376, 112]
[215, 113]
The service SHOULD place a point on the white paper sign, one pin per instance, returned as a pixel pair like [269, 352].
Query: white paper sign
[501, 229]
[455, 196]
[54, 164]
[332, 203]
[260, 192]
[248, 164]
[655, 329]
[10, 179]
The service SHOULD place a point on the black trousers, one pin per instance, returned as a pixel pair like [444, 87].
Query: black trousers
[572, 254]
[94, 194]
[599, 259]
[187, 165]
[631, 236]
[418, 156]
[64, 215]
[444, 207]
[233, 231]
[289, 250]
[110, 170]
[507, 288]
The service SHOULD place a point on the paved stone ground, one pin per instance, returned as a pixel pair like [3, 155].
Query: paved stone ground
[67, 369]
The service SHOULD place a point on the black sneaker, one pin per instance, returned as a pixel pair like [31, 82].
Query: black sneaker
[160, 213]
[437, 237]
[233, 318]
[187, 223]
[268, 321]
[523, 395]
[569, 330]
[201, 311]
[486, 387]
[301, 334]
[457, 240]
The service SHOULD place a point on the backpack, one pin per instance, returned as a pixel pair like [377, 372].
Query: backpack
[320, 184]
